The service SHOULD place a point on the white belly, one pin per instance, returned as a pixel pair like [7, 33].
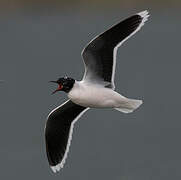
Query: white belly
[95, 96]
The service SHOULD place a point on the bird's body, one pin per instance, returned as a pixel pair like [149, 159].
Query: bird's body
[95, 90]
[94, 95]
[97, 96]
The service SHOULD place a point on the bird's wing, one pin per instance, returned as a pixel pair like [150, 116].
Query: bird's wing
[58, 132]
[100, 54]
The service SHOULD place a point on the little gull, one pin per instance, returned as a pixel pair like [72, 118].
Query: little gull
[95, 90]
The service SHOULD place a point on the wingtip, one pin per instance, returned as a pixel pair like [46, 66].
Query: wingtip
[56, 168]
[144, 14]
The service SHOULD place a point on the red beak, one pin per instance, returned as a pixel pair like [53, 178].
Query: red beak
[59, 87]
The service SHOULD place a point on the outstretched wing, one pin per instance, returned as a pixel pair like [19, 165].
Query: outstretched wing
[58, 132]
[100, 54]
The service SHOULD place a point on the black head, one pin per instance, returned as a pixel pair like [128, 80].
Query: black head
[64, 84]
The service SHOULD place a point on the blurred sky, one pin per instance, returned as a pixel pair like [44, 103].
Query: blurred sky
[41, 41]
[8, 6]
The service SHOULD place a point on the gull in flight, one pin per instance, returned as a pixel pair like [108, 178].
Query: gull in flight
[95, 90]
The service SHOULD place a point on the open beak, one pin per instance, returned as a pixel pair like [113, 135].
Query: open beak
[59, 87]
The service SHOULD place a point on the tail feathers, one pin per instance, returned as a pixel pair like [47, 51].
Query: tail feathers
[124, 110]
[130, 106]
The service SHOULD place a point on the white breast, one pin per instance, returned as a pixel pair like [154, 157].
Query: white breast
[91, 95]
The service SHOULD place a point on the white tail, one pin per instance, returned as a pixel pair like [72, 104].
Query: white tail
[130, 105]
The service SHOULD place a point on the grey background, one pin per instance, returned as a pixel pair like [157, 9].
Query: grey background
[36, 47]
